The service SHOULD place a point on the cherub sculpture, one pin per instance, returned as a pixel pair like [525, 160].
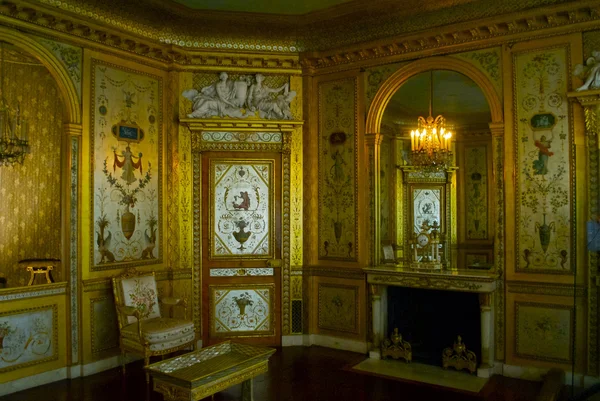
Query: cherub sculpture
[590, 72]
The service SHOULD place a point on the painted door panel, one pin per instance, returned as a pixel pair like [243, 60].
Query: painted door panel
[241, 247]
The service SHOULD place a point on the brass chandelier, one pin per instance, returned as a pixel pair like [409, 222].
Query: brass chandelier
[431, 143]
[14, 129]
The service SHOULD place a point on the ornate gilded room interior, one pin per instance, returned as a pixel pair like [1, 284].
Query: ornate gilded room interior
[395, 196]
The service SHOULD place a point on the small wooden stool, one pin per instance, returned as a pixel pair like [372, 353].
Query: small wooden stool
[39, 266]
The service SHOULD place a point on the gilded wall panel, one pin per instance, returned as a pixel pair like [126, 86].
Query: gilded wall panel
[591, 42]
[28, 337]
[126, 152]
[488, 61]
[186, 176]
[338, 141]
[104, 325]
[544, 146]
[476, 192]
[338, 308]
[30, 210]
[385, 190]
[243, 310]
[543, 331]
[173, 170]
[182, 289]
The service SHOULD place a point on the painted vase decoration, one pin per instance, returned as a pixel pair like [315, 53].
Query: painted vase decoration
[241, 236]
[242, 302]
[337, 230]
[128, 223]
[545, 233]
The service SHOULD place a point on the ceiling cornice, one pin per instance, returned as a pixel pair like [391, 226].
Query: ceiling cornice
[546, 21]
[90, 26]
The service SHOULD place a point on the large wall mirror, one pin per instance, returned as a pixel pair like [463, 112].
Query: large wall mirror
[461, 200]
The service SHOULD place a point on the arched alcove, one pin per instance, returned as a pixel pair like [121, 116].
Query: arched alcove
[471, 105]
[35, 198]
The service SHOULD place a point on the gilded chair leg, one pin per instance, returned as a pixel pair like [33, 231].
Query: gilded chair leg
[146, 363]
[123, 366]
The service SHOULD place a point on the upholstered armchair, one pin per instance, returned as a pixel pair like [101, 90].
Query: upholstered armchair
[143, 330]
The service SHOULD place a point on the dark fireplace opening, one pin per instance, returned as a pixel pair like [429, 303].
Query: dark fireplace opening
[430, 320]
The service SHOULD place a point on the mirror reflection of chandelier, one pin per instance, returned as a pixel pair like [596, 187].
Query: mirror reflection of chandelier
[14, 143]
[431, 143]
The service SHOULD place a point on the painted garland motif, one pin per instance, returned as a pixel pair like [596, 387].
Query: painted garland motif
[543, 165]
[337, 203]
[127, 167]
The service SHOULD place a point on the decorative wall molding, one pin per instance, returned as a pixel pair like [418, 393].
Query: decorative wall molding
[242, 272]
[338, 308]
[13, 294]
[331, 271]
[561, 290]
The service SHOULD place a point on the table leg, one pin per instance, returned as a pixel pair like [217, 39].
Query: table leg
[247, 393]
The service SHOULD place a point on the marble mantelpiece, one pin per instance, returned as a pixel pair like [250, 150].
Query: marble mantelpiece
[464, 280]
[451, 280]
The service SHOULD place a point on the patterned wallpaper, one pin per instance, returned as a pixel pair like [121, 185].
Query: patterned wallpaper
[30, 193]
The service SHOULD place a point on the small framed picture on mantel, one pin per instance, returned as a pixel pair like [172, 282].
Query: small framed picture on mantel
[389, 257]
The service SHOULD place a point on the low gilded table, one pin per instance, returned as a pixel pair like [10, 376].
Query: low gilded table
[201, 373]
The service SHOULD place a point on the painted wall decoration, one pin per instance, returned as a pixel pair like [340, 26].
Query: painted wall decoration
[337, 170]
[376, 76]
[105, 328]
[338, 308]
[243, 310]
[242, 215]
[71, 57]
[543, 164]
[28, 337]
[488, 61]
[476, 192]
[476, 259]
[126, 151]
[544, 332]
[30, 210]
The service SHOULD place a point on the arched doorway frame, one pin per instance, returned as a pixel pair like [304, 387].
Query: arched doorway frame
[373, 138]
[71, 177]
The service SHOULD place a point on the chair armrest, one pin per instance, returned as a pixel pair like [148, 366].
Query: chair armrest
[171, 301]
[132, 311]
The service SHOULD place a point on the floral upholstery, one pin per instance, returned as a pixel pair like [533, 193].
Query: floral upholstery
[141, 293]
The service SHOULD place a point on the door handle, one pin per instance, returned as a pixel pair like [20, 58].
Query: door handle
[274, 263]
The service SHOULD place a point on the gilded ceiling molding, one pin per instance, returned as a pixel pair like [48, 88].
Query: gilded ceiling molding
[397, 79]
[54, 66]
[48, 22]
[481, 33]
[174, 38]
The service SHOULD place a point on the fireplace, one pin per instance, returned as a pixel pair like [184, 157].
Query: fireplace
[431, 320]
[430, 308]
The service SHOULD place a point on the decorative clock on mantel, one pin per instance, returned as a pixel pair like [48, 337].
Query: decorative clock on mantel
[425, 246]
